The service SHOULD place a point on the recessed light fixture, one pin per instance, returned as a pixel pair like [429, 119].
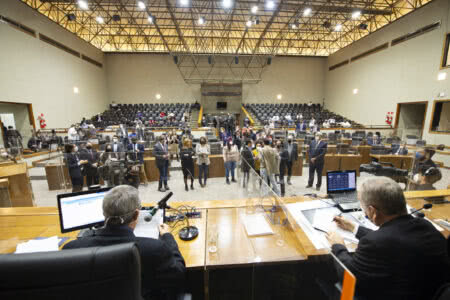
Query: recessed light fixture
[141, 5]
[307, 12]
[83, 4]
[293, 26]
[158, 96]
[355, 91]
[338, 27]
[226, 3]
[442, 76]
[249, 23]
[184, 2]
[254, 9]
[100, 20]
[201, 21]
[270, 4]
[279, 96]
[150, 19]
[76, 90]
[356, 15]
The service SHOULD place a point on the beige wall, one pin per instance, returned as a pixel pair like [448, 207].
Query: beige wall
[137, 78]
[402, 73]
[32, 71]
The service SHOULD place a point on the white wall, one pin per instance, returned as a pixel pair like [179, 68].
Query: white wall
[32, 71]
[402, 73]
[137, 78]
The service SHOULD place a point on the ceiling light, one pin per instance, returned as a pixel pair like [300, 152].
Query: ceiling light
[141, 5]
[356, 15]
[293, 26]
[270, 4]
[442, 76]
[338, 27]
[355, 91]
[254, 9]
[75, 90]
[184, 2]
[151, 19]
[201, 21]
[226, 3]
[307, 12]
[249, 23]
[100, 20]
[158, 96]
[83, 4]
[279, 96]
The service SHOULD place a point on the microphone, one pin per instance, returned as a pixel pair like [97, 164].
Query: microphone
[161, 204]
[425, 206]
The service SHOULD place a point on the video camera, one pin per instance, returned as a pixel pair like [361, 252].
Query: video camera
[383, 169]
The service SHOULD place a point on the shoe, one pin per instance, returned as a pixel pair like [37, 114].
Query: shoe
[318, 188]
[186, 188]
[228, 181]
[309, 186]
[167, 188]
[289, 181]
[192, 186]
[232, 180]
[162, 190]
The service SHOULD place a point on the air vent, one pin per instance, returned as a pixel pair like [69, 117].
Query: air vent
[416, 33]
[56, 44]
[370, 52]
[92, 61]
[18, 26]
[345, 62]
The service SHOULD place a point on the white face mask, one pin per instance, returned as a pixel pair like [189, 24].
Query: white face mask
[75, 149]
[317, 138]
[115, 140]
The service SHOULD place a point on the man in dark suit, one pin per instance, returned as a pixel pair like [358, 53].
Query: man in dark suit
[317, 150]
[117, 149]
[91, 168]
[399, 149]
[406, 258]
[292, 149]
[136, 150]
[161, 153]
[162, 266]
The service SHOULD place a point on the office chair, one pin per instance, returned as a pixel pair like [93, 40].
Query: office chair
[421, 143]
[443, 292]
[112, 272]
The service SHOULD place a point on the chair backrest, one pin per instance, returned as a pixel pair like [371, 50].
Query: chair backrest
[112, 272]
[443, 293]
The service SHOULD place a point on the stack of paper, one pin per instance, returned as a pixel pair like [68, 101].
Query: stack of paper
[40, 245]
[148, 229]
[256, 225]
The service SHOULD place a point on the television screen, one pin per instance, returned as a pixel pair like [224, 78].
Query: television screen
[221, 105]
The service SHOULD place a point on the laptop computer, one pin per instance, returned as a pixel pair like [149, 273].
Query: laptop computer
[341, 187]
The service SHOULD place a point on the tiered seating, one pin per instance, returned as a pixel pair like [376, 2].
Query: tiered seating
[265, 112]
[128, 113]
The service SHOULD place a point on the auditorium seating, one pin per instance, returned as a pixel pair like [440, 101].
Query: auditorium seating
[128, 113]
[264, 112]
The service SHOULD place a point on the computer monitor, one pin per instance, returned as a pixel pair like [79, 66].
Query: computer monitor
[341, 181]
[81, 210]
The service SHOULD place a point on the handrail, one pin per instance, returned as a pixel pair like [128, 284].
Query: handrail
[200, 116]
[248, 115]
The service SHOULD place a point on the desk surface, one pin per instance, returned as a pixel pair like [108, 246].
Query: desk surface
[235, 247]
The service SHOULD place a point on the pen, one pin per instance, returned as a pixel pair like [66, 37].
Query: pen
[320, 230]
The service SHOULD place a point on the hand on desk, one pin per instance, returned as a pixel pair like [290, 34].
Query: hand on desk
[163, 229]
[344, 224]
[334, 238]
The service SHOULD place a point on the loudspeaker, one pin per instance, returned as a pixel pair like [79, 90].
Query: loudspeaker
[71, 17]
[363, 26]
[175, 59]
[269, 60]
[116, 18]
[210, 59]
[236, 60]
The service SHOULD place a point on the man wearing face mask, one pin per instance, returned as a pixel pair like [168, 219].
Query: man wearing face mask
[161, 153]
[92, 157]
[117, 148]
[230, 158]
[406, 258]
[292, 149]
[317, 150]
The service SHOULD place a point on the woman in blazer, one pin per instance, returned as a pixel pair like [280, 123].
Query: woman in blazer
[203, 151]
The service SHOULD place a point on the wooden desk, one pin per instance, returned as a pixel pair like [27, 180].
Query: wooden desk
[5, 196]
[19, 184]
[365, 153]
[399, 161]
[58, 177]
[341, 162]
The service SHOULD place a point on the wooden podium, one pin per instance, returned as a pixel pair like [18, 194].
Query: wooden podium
[19, 186]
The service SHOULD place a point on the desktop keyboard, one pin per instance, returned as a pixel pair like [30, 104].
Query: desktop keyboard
[345, 198]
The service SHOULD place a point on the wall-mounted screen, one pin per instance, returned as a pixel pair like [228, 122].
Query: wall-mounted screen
[221, 105]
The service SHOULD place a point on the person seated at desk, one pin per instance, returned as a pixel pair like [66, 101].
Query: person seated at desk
[406, 258]
[399, 150]
[428, 177]
[162, 265]
[423, 161]
[34, 143]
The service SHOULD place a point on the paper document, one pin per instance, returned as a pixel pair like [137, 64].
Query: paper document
[256, 225]
[148, 229]
[40, 245]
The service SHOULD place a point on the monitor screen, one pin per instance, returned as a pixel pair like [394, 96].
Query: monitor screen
[81, 210]
[221, 105]
[341, 181]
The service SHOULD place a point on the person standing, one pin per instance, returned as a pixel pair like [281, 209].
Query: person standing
[269, 165]
[230, 158]
[173, 145]
[187, 163]
[136, 150]
[203, 151]
[74, 166]
[292, 149]
[91, 167]
[317, 150]
[161, 154]
[284, 158]
[247, 161]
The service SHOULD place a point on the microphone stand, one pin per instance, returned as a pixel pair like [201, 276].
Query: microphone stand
[187, 233]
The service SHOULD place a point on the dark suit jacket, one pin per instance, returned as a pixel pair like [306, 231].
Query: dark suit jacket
[73, 166]
[136, 156]
[159, 151]
[395, 148]
[405, 259]
[162, 266]
[317, 151]
[119, 153]
[294, 153]
[92, 158]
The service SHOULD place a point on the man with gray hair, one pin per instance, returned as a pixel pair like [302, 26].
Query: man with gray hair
[162, 266]
[316, 153]
[406, 258]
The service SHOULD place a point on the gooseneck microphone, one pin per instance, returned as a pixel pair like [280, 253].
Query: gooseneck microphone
[161, 204]
[421, 215]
